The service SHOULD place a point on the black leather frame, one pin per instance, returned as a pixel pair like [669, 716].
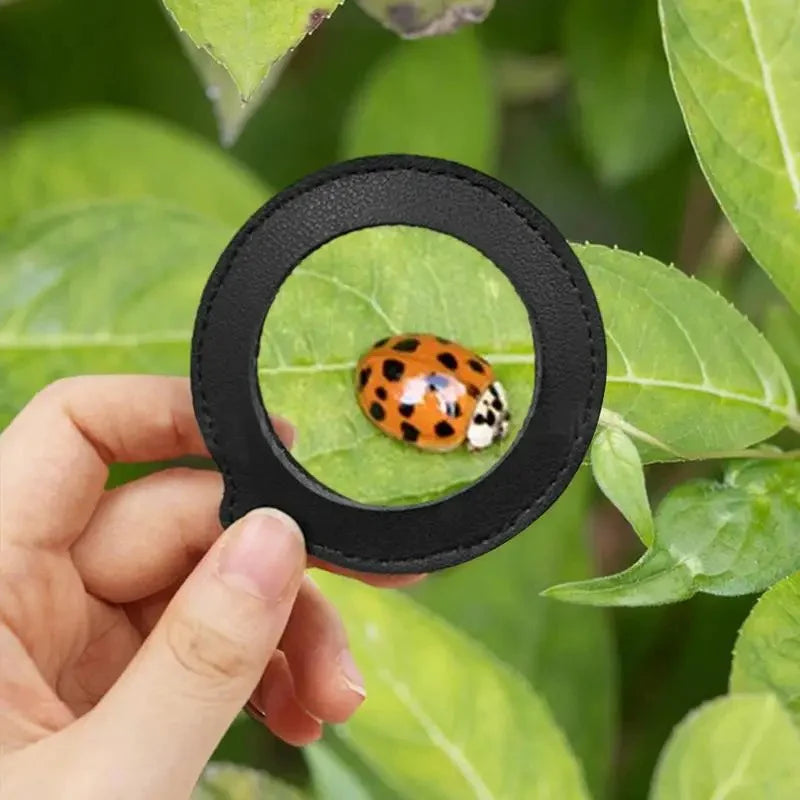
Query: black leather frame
[445, 197]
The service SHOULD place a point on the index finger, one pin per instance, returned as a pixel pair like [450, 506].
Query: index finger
[55, 454]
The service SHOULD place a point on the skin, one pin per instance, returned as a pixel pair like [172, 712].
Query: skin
[132, 629]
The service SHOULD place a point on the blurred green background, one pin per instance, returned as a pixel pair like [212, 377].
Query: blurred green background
[570, 104]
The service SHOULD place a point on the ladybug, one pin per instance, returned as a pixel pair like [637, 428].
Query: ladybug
[432, 393]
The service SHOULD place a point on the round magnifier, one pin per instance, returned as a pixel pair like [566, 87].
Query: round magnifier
[566, 394]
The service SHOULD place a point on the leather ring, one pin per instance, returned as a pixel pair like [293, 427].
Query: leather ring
[568, 338]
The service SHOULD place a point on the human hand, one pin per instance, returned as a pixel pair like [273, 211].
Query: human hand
[131, 631]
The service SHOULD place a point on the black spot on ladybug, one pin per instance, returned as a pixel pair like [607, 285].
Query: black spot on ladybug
[410, 433]
[406, 345]
[456, 410]
[490, 417]
[476, 366]
[376, 412]
[443, 429]
[363, 377]
[381, 392]
[479, 419]
[472, 390]
[493, 390]
[316, 18]
[448, 360]
[381, 342]
[443, 341]
[497, 405]
[392, 369]
[405, 410]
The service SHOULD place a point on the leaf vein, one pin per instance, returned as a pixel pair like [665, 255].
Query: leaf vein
[438, 737]
[346, 287]
[777, 116]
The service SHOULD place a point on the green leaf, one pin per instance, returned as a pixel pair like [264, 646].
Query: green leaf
[730, 538]
[698, 637]
[432, 98]
[364, 776]
[444, 719]
[565, 651]
[230, 110]
[688, 375]
[331, 778]
[101, 288]
[248, 38]
[734, 65]
[628, 116]
[617, 468]
[734, 748]
[233, 782]
[101, 154]
[767, 652]
[412, 19]
[782, 329]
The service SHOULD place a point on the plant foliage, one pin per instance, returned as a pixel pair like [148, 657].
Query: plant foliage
[626, 122]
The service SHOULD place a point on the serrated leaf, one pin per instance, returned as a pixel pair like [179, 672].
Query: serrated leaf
[736, 69]
[565, 651]
[730, 538]
[102, 288]
[103, 154]
[425, 728]
[233, 782]
[248, 38]
[432, 98]
[617, 468]
[230, 110]
[413, 19]
[767, 652]
[741, 747]
[687, 373]
[628, 116]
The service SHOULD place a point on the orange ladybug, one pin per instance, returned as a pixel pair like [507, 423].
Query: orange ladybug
[432, 393]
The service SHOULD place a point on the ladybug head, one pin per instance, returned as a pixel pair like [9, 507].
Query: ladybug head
[489, 421]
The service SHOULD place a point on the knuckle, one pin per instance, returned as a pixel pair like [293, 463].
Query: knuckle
[55, 391]
[208, 653]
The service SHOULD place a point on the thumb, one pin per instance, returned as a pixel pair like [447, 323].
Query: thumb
[166, 714]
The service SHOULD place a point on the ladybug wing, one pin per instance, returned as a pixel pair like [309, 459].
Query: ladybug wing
[449, 358]
[405, 400]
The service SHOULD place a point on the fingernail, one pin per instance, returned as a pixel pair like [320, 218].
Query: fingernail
[264, 556]
[350, 672]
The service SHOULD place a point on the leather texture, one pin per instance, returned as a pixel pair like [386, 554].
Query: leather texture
[568, 337]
